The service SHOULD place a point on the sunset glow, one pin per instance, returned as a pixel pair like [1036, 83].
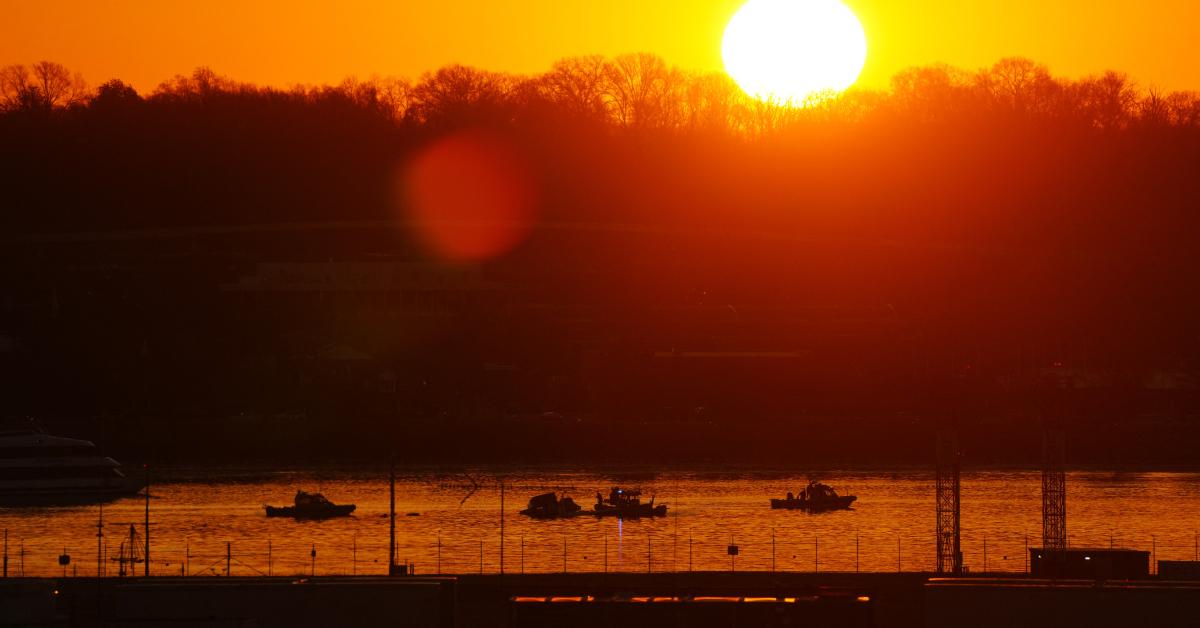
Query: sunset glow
[281, 43]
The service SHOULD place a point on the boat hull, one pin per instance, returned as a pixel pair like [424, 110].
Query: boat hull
[305, 513]
[835, 503]
[550, 514]
[632, 512]
[66, 496]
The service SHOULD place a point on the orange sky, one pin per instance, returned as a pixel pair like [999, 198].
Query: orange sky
[282, 42]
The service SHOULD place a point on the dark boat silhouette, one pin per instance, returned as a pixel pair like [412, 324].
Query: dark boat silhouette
[816, 497]
[549, 506]
[627, 504]
[39, 469]
[311, 506]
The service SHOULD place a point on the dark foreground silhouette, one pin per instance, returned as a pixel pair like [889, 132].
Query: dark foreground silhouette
[219, 270]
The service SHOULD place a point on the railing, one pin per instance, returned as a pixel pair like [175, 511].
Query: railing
[639, 551]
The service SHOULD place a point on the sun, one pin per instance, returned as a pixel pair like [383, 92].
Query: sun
[792, 50]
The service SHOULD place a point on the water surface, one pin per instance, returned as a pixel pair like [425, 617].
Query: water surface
[197, 514]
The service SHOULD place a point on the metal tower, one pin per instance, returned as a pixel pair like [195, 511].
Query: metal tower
[1054, 488]
[949, 549]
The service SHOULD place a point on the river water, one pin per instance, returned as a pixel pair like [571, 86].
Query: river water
[207, 520]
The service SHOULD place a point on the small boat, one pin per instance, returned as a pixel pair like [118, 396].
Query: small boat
[549, 506]
[311, 506]
[627, 504]
[816, 497]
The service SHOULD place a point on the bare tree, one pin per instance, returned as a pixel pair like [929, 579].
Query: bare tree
[644, 91]
[390, 96]
[57, 85]
[44, 85]
[1107, 101]
[457, 90]
[577, 85]
[712, 101]
[1020, 85]
[1183, 108]
[931, 92]
[16, 87]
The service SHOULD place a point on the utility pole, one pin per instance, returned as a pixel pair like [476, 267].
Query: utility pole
[502, 526]
[772, 550]
[392, 517]
[99, 544]
[146, 525]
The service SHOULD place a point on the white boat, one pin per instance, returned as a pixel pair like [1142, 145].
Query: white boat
[39, 469]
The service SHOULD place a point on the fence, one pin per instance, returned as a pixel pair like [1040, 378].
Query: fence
[642, 551]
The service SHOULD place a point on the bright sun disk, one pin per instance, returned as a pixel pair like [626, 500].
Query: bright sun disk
[791, 50]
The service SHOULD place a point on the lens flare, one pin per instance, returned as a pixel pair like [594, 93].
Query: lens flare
[470, 197]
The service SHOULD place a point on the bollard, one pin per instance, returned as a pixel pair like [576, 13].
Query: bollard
[313, 554]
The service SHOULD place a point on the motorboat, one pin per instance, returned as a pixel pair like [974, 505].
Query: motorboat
[627, 504]
[815, 497]
[549, 506]
[311, 506]
[37, 468]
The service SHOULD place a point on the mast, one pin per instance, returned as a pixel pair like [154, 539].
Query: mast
[392, 518]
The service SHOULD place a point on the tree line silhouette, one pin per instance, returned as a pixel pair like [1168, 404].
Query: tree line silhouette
[642, 139]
